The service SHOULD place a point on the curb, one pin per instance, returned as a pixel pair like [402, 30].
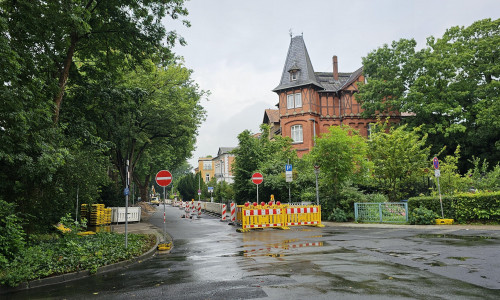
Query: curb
[80, 274]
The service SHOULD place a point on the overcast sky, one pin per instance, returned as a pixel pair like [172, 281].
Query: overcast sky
[237, 49]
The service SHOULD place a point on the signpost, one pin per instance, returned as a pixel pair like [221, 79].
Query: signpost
[257, 179]
[289, 178]
[211, 190]
[164, 179]
[437, 173]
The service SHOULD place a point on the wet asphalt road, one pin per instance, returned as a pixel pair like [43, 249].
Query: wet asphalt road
[210, 260]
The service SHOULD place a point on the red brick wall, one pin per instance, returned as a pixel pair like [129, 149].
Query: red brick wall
[325, 109]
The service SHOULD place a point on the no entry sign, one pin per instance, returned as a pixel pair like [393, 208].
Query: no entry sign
[163, 178]
[257, 178]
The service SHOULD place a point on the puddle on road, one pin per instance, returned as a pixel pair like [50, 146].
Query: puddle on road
[459, 240]
[437, 264]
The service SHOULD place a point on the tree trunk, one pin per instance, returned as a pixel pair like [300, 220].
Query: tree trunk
[143, 188]
[63, 76]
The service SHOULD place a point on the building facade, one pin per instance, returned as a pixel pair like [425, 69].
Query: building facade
[224, 165]
[206, 168]
[219, 167]
[310, 102]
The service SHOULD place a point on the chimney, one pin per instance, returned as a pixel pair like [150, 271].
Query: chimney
[335, 68]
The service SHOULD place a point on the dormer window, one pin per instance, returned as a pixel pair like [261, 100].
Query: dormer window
[294, 72]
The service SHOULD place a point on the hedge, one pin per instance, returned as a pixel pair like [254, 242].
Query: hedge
[464, 207]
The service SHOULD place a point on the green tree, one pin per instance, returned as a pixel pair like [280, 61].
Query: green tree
[451, 87]
[265, 156]
[400, 159]
[341, 154]
[51, 34]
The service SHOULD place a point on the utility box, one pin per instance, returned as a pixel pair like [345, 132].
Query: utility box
[118, 214]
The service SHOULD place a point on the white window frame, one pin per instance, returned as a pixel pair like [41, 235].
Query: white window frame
[207, 177]
[290, 102]
[207, 165]
[294, 100]
[298, 100]
[294, 76]
[296, 133]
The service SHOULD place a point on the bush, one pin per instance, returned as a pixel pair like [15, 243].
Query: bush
[54, 255]
[338, 215]
[422, 216]
[12, 237]
[377, 198]
[464, 207]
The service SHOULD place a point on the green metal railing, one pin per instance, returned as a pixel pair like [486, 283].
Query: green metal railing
[386, 212]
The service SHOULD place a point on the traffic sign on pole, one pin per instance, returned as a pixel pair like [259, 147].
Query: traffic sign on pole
[435, 161]
[163, 178]
[257, 178]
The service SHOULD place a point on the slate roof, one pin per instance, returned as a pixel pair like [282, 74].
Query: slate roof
[224, 150]
[271, 116]
[298, 58]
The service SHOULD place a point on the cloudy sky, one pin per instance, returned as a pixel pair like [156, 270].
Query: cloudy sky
[237, 48]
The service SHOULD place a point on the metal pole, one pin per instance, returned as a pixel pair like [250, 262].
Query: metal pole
[257, 194]
[164, 225]
[76, 211]
[289, 187]
[126, 206]
[316, 171]
[199, 187]
[440, 200]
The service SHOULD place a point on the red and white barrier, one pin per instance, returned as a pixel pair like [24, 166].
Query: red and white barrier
[223, 213]
[233, 212]
[199, 209]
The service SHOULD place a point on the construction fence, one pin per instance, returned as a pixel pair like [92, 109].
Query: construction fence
[271, 215]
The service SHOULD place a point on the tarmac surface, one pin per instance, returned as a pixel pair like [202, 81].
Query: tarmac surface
[348, 260]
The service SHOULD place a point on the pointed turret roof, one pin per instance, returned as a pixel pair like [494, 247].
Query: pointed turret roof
[297, 59]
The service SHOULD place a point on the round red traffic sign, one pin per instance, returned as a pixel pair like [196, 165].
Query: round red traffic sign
[435, 161]
[257, 178]
[163, 178]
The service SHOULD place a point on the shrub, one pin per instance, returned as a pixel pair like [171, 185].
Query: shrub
[12, 237]
[377, 198]
[338, 215]
[463, 207]
[422, 216]
[57, 254]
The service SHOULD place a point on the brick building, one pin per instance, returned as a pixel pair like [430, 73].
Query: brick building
[310, 102]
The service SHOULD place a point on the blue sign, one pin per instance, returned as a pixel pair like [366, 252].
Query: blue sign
[126, 191]
[288, 168]
[211, 189]
[435, 161]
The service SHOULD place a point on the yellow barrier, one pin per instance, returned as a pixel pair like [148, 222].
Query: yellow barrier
[277, 216]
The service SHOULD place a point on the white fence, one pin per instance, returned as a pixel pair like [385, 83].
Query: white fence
[118, 214]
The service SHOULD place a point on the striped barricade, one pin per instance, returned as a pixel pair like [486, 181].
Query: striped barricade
[252, 218]
[278, 216]
[305, 215]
